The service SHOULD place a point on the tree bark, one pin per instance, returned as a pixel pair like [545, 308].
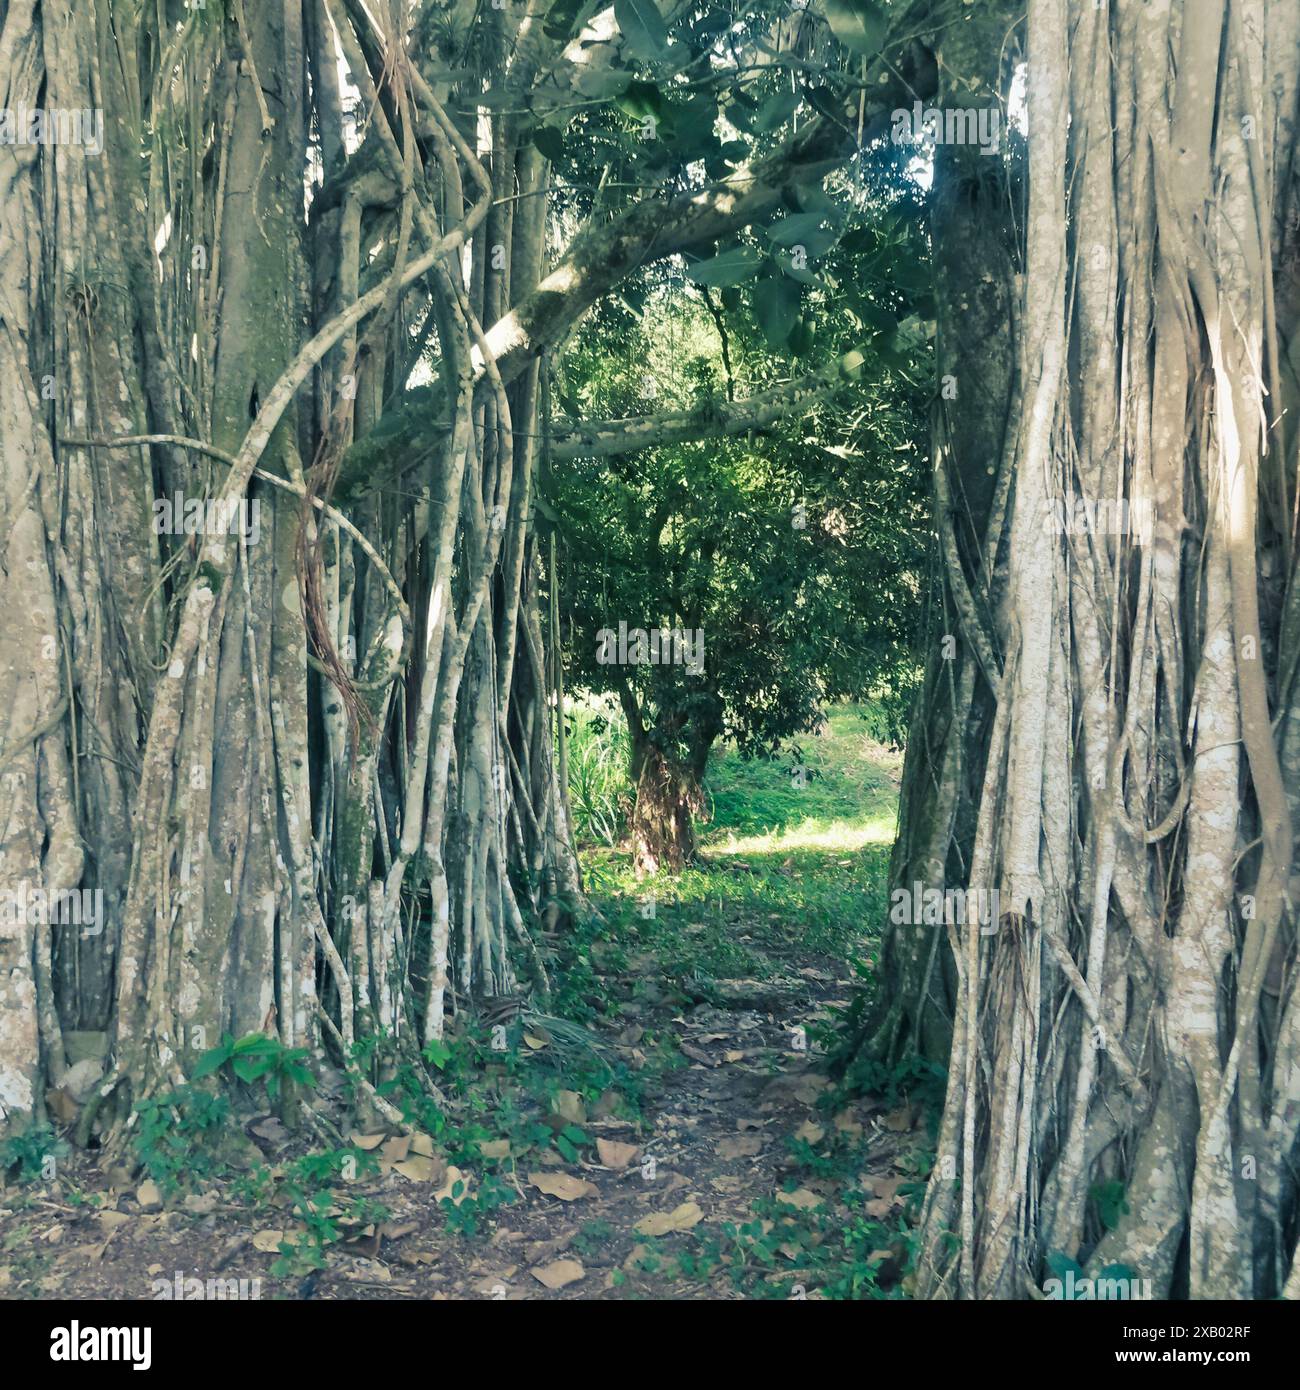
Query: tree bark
[1129, 1024]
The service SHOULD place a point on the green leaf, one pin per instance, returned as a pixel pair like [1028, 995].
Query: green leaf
[802, 273]
[776, 110]
[250, 1068]
[858, 24]
[732, 267]
[212, 1060]
[776, 307]
[550, 142]
[851, 365]
[642, 26]
[860, 240]
[641, 99]
[437, 1054]
[824, 101]
[601, 83]
[794, 228]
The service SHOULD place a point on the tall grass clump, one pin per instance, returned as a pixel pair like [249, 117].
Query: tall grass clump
[600, 792]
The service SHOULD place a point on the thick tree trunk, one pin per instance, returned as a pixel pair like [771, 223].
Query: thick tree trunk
[668, 799]
[1129, 1023]
[972, 227]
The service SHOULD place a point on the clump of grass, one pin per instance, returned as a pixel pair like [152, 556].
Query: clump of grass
[600, 791]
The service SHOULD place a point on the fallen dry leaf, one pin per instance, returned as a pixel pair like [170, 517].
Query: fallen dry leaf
[880, 1186]
[418, 1168]
[268, 1241]
[660, 1223]
[494, 1148]
[615, 1155]
[569, 1106]
[367, 1141]
[559, 1273]
[563, 1185]
[396, 1149]
[493, 1286]
[741, 1146]
[800, 1198]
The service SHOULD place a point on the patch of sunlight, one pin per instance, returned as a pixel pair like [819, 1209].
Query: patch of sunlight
[813, 835]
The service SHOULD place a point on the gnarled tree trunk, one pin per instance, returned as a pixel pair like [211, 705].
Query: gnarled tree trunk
[1131, 1024]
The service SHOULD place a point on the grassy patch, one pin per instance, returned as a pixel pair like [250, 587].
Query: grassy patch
[794, 858]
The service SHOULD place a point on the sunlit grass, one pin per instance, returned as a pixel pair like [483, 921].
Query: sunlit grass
[794, 861]
[837, 837]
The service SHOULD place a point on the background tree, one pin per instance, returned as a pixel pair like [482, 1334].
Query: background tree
[790, 554]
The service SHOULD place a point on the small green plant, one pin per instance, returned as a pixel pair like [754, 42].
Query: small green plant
[255, 1057]
[591, 1236]
[28, 1156]
[326, 1221]
[1111, 1206]
[177, 1137]
[600, 791]
[464, 1212]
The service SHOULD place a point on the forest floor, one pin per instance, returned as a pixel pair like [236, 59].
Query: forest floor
[670, 1132]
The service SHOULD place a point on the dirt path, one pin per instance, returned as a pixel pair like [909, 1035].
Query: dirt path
[711, 1144]
[713, 1162]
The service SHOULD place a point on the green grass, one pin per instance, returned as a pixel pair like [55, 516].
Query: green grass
[846, 798]
[600, 793]
[791, 866]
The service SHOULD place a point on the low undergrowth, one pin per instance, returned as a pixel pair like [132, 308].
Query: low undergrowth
[726, 981]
